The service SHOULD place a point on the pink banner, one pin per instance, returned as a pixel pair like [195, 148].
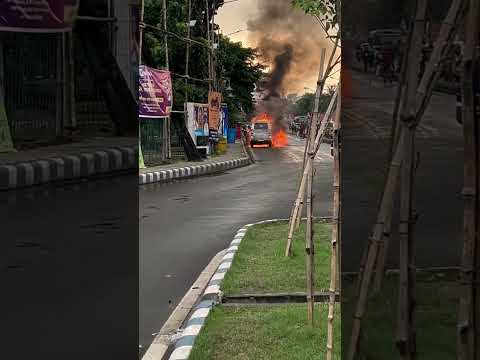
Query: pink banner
[155, 92]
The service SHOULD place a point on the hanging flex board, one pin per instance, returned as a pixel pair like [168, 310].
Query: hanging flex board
[41, 16]
[155, 93]
[214, 111]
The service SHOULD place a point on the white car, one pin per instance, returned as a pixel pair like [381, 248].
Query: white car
[261, 134]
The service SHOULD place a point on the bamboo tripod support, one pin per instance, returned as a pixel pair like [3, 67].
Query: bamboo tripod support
[468, 344]
[334, 268]
[311, 130]
[303, 183]
[423, 92]
[314, 120]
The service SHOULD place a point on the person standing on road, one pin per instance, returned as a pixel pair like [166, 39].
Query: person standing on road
[365, 58]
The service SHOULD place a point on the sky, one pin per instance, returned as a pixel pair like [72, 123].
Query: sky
[234, 16]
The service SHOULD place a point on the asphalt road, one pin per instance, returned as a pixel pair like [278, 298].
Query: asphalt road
[69, 265]
[184, 224]
[366, 123]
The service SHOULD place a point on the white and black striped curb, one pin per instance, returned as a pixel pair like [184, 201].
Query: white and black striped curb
[211, 297]
[191, 171]
[36, 172]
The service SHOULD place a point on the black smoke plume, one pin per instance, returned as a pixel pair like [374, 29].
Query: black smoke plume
[289, 43]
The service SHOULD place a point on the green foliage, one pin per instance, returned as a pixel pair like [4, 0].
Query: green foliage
[265, 332]
[237, 64]
[326, 9]
[234, 62]
[260, 265]
[304, 105]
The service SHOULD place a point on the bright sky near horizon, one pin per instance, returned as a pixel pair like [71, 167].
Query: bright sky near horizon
[235, 15]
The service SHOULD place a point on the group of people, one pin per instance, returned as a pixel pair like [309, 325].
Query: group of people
[386, 59]
[298, 128]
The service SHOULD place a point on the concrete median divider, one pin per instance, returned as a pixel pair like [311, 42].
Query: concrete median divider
[168, 175]
[64, 168]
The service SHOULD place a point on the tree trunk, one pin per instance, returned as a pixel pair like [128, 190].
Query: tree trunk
[405, 338]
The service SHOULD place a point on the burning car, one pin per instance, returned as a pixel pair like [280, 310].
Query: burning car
[266, 133]
[261, 134]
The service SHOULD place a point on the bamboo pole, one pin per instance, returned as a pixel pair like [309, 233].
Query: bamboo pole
[309, 243]
[441, 46]
[303, 182]
[187, 52]
[140, 47]
[405, 335]
[207, 12]
[334, 269]
[466, 318]
[399, 103]
[165, 37]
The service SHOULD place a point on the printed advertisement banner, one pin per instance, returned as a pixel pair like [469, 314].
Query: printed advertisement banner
[155, 92]
[225, 120]
[214, 104]
[37, 15]
[197, 120]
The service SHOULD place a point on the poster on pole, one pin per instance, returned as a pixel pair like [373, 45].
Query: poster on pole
[225, 120]
[155, 92]
[197, 120]
[214, 104]
[41, 16]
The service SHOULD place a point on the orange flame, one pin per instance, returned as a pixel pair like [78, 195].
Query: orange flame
[280, 139]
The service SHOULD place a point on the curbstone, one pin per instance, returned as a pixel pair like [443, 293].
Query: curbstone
[192, 171]
[212, 294]
[41, 171]
[211, 297]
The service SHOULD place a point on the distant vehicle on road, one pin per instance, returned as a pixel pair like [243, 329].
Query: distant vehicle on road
[381, 37]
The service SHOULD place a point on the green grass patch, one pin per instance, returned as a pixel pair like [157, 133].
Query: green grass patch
[264, 332]
[260, 266]
[436, 318]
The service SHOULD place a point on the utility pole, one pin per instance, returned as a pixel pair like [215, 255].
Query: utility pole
[187, 56]
[210, 76]
[166, 127]
[141, 163]
[214, 60]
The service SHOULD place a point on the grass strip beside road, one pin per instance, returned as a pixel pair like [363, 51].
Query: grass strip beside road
[263, 333]
[436, 318]
[260, 267]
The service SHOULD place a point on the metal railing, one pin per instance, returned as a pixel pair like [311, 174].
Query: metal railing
[153, 141]
[33, 85]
